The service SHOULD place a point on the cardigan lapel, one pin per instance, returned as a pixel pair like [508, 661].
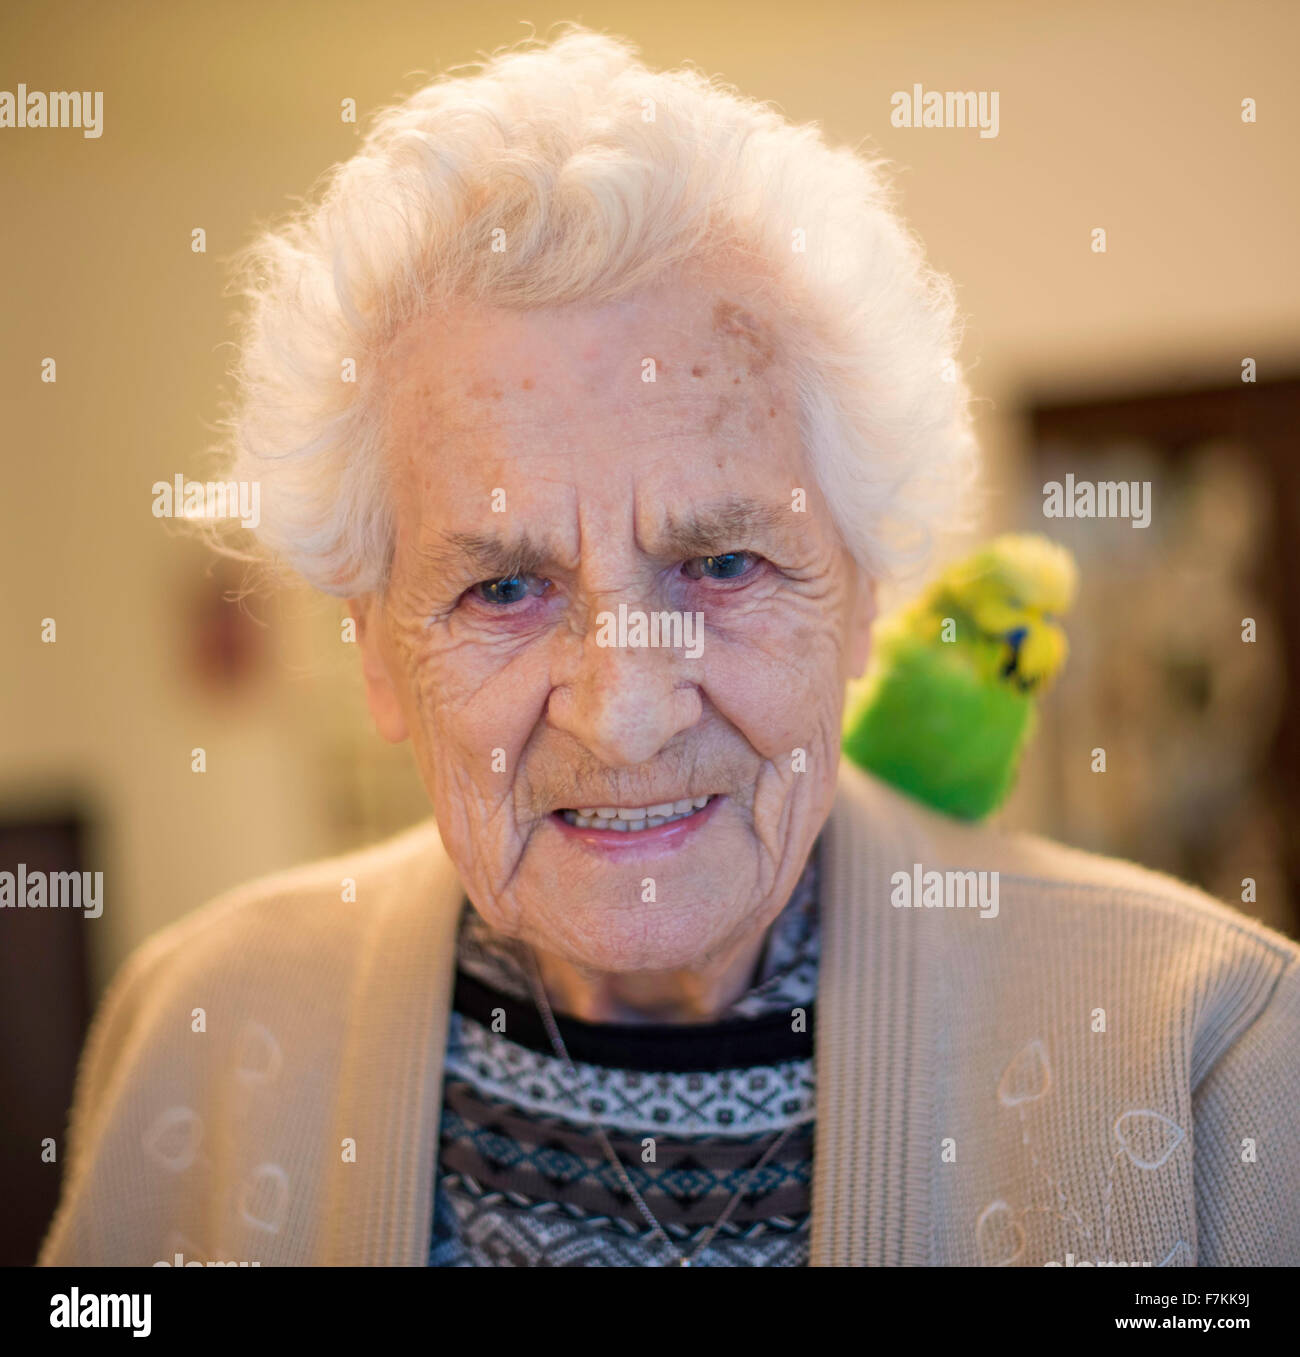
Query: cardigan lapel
[875, 1146]
[379, 1208]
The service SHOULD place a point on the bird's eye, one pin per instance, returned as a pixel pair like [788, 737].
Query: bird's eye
[729, 565]
[508, 589]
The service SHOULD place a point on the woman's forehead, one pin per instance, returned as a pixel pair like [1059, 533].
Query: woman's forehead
[730, 319]
[667, 381]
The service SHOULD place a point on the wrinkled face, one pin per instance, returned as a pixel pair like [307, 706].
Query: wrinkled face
[609, 595]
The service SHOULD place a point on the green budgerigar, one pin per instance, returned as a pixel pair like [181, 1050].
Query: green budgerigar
[949, 699]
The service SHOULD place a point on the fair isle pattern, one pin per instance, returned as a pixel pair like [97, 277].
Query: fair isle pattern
[516, 1190]
[473, 1228]
[687, 1186]
[723, 1102]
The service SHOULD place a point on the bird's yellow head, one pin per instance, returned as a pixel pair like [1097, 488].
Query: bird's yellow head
[1013, 592]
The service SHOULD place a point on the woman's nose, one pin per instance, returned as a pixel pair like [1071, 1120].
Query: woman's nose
[626, 703]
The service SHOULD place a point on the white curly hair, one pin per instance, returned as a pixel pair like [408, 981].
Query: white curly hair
[604, 175]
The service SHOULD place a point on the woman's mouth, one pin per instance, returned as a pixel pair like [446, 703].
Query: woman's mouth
[633, 819]
[662, 827]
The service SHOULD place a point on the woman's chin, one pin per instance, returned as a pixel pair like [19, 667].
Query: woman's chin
[640, 937]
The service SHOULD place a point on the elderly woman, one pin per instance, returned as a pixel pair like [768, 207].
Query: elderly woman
[650, 389]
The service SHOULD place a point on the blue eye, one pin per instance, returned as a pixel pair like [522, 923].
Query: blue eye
[729, 565]
[506, 590]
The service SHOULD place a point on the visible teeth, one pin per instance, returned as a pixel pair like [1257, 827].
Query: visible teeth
[626, 819]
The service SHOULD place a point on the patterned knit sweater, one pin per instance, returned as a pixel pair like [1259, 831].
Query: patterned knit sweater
[690, 1110]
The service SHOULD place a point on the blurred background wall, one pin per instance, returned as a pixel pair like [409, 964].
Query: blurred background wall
[218, 116]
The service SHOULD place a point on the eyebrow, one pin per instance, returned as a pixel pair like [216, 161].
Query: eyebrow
[737, 522]
[484, 555]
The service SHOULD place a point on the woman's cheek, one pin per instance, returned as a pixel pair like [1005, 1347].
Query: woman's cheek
[754, 693]
[780, 686]
[489, 720]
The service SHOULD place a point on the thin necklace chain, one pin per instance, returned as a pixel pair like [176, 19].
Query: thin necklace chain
[557, 1041]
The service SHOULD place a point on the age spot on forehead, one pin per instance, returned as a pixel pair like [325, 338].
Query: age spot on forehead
[725, 406]
[486, 389]
[744, 331]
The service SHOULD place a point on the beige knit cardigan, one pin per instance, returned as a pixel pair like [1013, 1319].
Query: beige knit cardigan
[1106, 1071]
